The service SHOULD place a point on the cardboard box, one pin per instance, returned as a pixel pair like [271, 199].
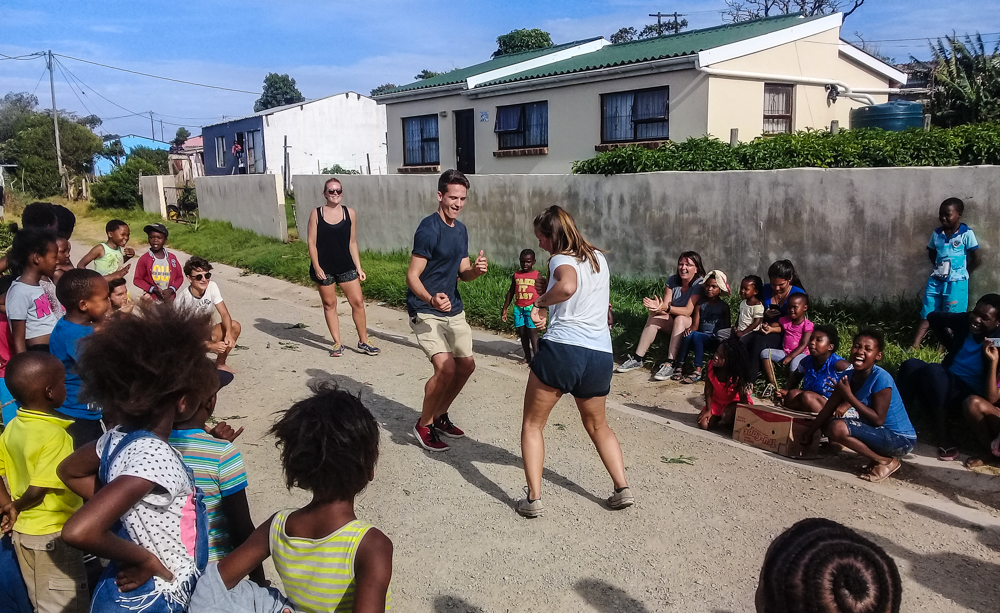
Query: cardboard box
[775, 429]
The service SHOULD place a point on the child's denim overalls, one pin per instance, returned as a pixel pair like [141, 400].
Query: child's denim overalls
[107, 598]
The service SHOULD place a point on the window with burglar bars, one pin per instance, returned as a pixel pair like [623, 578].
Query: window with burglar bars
[420, 141]
[522, 125]
[635, 115]
[778, 108]
[220, 151]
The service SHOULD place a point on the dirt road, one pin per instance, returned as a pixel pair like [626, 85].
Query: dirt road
[693, 542]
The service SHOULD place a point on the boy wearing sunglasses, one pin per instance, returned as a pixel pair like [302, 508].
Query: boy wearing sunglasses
[200, 296]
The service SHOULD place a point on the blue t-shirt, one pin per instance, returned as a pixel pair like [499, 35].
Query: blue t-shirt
[820, 378]
[767, 295]
[63, 345]
[954, 250]
[896, 418]
[444, 247]
[968, 364]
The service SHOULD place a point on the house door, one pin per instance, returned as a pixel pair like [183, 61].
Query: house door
[465, 141]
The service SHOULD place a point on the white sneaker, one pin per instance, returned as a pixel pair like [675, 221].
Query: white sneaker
[629, 364]
[665, 372]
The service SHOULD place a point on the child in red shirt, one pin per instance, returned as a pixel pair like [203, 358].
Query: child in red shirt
[727, 384]
[157, 273]
[525, 287]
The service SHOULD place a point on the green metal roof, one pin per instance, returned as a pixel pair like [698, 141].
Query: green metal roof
[662, 47]
[461, 74]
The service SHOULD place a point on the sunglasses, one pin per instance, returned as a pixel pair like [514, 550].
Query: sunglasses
[200, 276]
[335, 192]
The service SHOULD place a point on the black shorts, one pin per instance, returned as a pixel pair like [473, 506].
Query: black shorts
[583, 373]
[343, 277]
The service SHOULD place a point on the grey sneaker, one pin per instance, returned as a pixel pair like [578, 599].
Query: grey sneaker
[337, 351]
[369, 349]
[629, 364]
[529, 508]
[664, 373]
[622, 499]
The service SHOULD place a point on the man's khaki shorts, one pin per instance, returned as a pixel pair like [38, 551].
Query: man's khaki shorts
[442, 334]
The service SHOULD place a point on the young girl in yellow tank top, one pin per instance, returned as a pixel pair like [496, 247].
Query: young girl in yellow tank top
[327, 558]
[109, 257]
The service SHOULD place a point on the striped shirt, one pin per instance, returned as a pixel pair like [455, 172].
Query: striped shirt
[318, 574]
[218, 472]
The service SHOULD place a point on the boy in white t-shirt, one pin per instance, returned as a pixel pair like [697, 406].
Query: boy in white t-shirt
[200, 296]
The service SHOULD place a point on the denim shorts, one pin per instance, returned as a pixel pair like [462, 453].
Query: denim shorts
[880, 440]
[584, 373]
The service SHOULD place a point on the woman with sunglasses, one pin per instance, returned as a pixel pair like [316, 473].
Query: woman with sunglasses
[201, 296]
[334, 260]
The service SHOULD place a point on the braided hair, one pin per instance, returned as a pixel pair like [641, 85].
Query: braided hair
[737, 363]
[822, 566]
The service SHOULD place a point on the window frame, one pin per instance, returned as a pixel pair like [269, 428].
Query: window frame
[634, 122]
[523, 128]
[423, 139]
[790, 88]
[220, 151]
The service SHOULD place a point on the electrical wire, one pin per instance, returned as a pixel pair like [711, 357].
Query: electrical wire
[153, 76]
[72, 89]
[44, 70]
[24, 58]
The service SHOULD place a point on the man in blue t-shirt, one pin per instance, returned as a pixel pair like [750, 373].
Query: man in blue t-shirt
[85, 296]
[942, 388]
[439, 259]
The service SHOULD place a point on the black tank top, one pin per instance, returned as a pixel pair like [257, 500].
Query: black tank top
[333, 244]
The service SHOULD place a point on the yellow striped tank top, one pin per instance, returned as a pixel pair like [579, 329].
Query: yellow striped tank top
[318, 574]
[111, 261]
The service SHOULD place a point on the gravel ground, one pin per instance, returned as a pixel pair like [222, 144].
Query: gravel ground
[693, 542]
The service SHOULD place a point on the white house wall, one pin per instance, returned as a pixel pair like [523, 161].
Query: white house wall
[344, 129]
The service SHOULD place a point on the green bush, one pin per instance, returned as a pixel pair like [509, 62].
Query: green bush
[860, 148]
[159, 158]
[120, 188]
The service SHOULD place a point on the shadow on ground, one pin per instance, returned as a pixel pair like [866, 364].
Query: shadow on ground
[454, 604]
[464, 454]
[607, 598]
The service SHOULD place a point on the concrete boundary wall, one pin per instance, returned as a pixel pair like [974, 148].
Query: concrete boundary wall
[851, 233]
[250, 202]
[153, 198]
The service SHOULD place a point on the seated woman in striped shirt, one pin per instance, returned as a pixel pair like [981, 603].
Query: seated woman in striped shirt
[327, 558]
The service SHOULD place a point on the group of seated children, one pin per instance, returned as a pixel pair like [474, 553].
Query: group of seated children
[159, 494]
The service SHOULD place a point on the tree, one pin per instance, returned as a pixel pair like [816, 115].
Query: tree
[872, 49]
[158, 158]
[381, 89]
[91, 121]
[279, 90]
[662, 28]
[13, 109]
[33, 149]
[337, 169]
[113, 151]
[120, 188]
[516, 41]
[745, 10]
[426, 74]
[624, 35]
[966, 81]
[180, 137]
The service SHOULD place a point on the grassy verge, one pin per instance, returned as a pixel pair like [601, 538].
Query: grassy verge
[220, 242]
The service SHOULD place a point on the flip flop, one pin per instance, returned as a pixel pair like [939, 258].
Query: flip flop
[947, 454]
[882, 472]
[677, 376]
[692, 378]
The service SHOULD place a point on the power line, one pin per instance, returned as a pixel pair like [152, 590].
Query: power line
[153, 76]
[24, 58]
[44, 70]
[71, 88]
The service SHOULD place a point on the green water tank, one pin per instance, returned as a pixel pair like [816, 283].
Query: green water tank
[893, 116]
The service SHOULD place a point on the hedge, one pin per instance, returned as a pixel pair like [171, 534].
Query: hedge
[861, 148]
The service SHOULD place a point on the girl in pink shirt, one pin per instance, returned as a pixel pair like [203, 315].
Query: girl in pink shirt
[796, 331]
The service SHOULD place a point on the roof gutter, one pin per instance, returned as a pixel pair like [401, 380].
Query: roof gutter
[600, 74]
[421, 93]
[842, 88]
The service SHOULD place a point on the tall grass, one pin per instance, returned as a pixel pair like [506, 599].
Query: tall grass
[483, 298]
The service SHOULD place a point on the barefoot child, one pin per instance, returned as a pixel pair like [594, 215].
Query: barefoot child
[953, 251]
[796, 331]
[329, 447]
[751, 313]
[32, 319]
[818, 374]
[31, 448]
[84, 295]
[525, 287]
[202, 295]
[146, 517]
[157, 273]
[727, 384]
[882, 432]
[109, 257]
[710, 324]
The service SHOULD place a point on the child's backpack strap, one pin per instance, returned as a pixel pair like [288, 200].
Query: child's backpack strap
[108, 455]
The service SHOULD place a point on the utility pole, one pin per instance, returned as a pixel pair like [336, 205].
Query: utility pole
[152, 130]
[55, 121]
[161, 130]
[659, 21]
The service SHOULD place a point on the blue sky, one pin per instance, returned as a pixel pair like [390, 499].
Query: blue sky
[348, 45]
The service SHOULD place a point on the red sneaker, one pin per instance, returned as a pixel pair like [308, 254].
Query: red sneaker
[445, 427]
[427, 437]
